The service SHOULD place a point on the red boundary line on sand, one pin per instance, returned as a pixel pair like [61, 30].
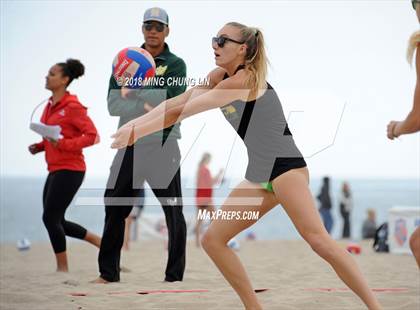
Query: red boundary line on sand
[333, 289]
[145, 292]
[170, 291]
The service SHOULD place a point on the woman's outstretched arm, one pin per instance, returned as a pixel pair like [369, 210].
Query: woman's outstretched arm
[411, 123]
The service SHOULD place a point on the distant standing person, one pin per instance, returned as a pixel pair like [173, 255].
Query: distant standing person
[133, 219]
[346, 205]
[411, 124]
[66, 164]
[369, 225]
[325, 201]
[204, 193]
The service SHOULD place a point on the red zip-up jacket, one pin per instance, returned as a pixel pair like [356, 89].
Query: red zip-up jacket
[77, 129]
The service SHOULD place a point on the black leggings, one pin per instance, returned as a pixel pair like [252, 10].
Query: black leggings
[60, 188]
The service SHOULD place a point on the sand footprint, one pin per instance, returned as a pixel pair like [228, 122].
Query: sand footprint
[71, 282]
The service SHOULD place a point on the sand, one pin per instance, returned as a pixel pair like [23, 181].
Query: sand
[289, 269]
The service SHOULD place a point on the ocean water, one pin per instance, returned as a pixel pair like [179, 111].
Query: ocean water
[21, 206]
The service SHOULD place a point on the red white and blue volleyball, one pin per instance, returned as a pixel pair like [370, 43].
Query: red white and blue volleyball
[132, 67]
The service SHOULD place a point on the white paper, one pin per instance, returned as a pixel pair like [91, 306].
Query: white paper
[47, 131]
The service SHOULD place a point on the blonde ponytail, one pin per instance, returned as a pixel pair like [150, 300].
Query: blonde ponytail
[256, 58]
[412, 46]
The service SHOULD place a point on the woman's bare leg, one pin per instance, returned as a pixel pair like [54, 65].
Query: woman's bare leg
[197, 232]
[198, 227]
[93, 239]
[291, 189]
[221, 231]
[61, 258]
[415, 245]
[62, 265]
[126, 243]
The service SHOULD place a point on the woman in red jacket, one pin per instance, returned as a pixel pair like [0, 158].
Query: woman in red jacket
[64, 157]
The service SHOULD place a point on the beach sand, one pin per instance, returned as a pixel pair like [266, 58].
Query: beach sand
[289, 269]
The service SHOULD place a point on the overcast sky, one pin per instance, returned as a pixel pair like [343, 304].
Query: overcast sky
[338, 66]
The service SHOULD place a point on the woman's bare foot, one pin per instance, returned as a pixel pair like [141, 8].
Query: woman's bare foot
[125, 269]
[99, 280]
[61, 269]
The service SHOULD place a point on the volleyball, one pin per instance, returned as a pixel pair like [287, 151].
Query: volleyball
[132, 66]
[234, 244]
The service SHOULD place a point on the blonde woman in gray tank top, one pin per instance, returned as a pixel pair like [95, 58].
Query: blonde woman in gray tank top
[276, 173]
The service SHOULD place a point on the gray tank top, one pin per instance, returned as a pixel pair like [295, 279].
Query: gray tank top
[262, 126]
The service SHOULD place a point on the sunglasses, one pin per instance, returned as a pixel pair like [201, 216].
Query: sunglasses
[220, 41]
[414, 3]
[149, 26]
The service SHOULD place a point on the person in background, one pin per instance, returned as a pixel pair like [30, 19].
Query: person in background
[369, 225]
[346, 205]
[65, 160]
[325, 201]
[204, 193]
[411, 123]
[132, 219]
